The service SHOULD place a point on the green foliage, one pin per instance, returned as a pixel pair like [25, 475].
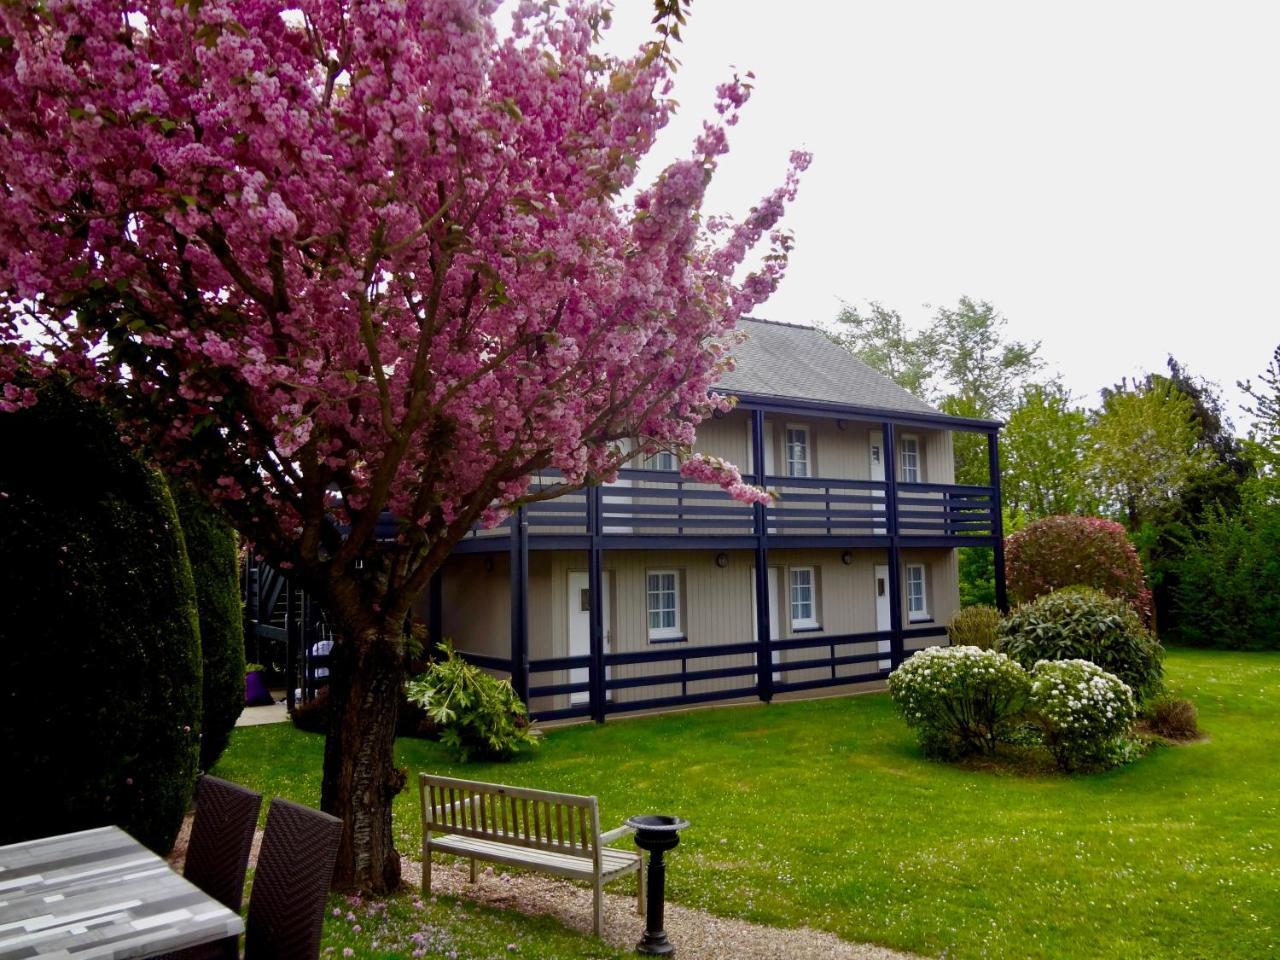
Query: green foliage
[879, 338]
[1143, 446]
[479, 717]
[1071, 551]
[101, 715]
[212, 549]
[960, 700]
[1227, 588]
[1079, 623]
[976, 626]
[1042, 445]
[1264, 404]
[1172, 717]
[1085, 712]
[977, 571]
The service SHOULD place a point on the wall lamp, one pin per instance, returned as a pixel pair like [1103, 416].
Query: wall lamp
[722, 559]
[847, 558]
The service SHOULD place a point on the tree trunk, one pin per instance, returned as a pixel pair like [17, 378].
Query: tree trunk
[360, 776]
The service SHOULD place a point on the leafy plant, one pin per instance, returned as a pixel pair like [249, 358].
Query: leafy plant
[253, 668]
[1172, 717]
[1086, 624]
[976, 626]
[1085, 712]
[480, 717]
[1068, 551]
[959, 699]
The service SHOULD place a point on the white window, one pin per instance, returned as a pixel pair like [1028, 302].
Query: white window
[804, 599]
[797, 452]
[662, 460]
[664, 605]
[910, 458]
[917, 608]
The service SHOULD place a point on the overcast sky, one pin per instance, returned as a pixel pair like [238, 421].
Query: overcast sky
[1106, 174]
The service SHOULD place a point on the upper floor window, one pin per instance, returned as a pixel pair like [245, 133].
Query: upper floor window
[664, 604]
[804, 599]
[917, 606]
[662, 460]
[910, 458]
[797, 451]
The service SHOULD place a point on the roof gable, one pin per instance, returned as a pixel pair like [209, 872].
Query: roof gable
[802, 363]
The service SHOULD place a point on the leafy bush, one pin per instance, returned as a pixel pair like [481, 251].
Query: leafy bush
[959, 699]
[100, 717]
[1226, 590]
[977, 626]
[479, 716]
[211, 547]
[1085, 624]
[1172, 717]
[1085, 712]
[1069, 551]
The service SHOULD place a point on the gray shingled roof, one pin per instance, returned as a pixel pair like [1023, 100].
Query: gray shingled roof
[802, 363]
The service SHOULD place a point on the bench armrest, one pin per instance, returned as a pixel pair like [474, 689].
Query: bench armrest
[616, 834]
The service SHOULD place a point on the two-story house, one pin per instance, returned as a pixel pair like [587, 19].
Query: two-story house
[657, 591]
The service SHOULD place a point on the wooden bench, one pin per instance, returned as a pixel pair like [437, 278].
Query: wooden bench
[555, 833]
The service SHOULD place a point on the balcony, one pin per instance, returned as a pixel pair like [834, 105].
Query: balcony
[653, 508]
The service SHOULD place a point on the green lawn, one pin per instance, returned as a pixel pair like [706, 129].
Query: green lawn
[823, 814]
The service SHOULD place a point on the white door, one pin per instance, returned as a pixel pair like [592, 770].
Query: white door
[882, 609]
[775, 614]
[580, 627]
[875, 448]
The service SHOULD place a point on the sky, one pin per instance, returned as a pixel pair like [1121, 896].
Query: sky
[1106, 174]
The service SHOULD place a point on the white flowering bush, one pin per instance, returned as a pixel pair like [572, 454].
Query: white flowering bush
[1085, 711]
[959, 699]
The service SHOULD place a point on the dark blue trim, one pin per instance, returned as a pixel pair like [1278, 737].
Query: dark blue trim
[822, 408]
[669, 640]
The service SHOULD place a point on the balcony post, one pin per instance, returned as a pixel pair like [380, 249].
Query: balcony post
[435, 608]
[997, 519]
[595, 586]
[896, 640]
[764, 652]
[519, 589]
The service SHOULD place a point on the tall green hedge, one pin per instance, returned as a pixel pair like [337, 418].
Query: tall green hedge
[100, 712]
[211, 547]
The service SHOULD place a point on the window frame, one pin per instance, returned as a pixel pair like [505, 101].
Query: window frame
[654, 461]
[811, 622]
[676, 631]
[808, 450]
[917, 616]
[915, 459]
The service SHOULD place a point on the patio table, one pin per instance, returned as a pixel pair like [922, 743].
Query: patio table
[100, 895]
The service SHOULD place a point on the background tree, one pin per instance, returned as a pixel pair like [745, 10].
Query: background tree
[341, 260]
[215, 569]
[100, 718]
[1042, 444]
[878, 337]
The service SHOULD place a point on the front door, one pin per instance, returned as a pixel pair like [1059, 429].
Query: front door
[580, 627]
[883, 623]
[875, 448]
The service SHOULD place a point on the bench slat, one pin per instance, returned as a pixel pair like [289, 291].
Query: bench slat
[614, 863]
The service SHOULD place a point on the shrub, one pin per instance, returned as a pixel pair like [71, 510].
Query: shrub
[1080, 623]
[211, 547]
[1069, 551]
[479, 716]
[977, 626]
[959, 699]
[1172, 717]
[1085, 712]
[100, 719]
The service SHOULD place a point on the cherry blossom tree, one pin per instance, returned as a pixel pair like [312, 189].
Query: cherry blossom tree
[336, 259]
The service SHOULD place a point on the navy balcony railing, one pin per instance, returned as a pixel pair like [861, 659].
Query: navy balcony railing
[661, 503]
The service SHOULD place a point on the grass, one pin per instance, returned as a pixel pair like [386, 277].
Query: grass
[824, 814]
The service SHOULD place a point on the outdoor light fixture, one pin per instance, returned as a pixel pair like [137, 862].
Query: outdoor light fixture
[488, 564]
[722, 559]
[841, 425]
[657, 834]
[847, 557]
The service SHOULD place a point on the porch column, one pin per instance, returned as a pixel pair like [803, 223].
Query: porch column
[997, 518]
[290, 648]
[764, 652]
[435, 608]
[896, 644]
[519, 589]
[595, 587]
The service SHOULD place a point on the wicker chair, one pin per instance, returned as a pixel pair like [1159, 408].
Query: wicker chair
[218, 854]
[291, 883]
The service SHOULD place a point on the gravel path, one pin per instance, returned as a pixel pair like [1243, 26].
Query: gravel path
[697, 935]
